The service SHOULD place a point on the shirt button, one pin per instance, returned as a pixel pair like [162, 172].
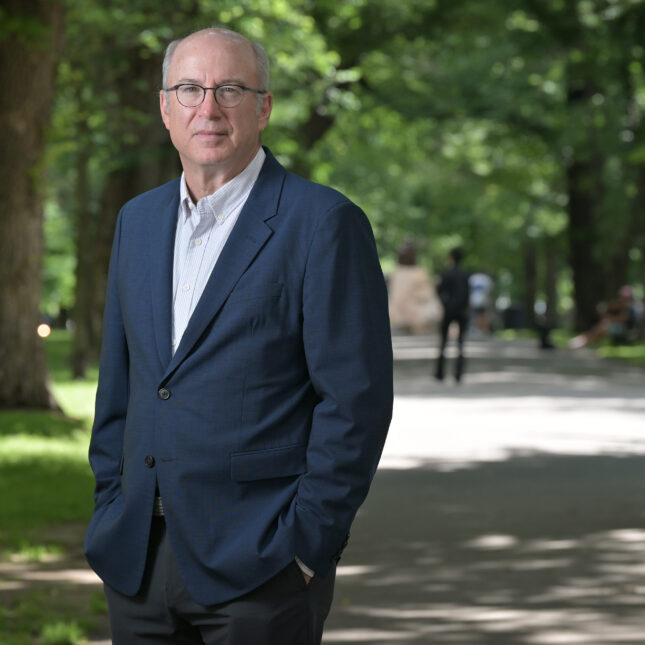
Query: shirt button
[163, 394]
[186, 287]
[149, 461]
[198, 241]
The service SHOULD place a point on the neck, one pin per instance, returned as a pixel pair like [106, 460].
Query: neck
[202, 181]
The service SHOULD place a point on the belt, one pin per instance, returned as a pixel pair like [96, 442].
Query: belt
[157, 509]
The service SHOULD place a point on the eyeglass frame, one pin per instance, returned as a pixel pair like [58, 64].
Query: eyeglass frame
[244, 88]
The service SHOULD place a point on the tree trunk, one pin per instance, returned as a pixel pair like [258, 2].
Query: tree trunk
[147, 162]
[588, 273]
[530, 281]
[551, 283]
[28, 57]
[85, 252]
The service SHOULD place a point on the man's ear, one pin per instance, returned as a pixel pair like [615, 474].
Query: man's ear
[164, 106]
[265, 112]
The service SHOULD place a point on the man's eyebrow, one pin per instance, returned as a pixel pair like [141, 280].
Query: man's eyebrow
[194, 81]
[226, 81]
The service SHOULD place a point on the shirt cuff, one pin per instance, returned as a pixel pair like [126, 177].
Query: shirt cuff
[304, 568]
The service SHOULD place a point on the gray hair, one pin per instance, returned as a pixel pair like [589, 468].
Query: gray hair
[261, 57]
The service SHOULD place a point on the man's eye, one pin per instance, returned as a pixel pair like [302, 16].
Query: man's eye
[228, 89]
[191, 89]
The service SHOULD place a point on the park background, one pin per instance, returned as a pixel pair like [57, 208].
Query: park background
[513, 128]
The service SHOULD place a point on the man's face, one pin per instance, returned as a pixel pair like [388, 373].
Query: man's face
[213, 141]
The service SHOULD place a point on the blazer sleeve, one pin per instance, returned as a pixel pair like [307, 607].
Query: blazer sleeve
[106, 444]
[348, 349]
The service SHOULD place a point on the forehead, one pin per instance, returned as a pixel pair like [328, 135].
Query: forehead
[213, 57]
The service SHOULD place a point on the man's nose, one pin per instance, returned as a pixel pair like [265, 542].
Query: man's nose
[209, 105]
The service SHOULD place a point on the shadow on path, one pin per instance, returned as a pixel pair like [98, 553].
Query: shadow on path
[528, 550]
[489, 530]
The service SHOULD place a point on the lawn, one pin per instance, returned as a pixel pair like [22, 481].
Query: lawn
[46, 490]
[633, 353]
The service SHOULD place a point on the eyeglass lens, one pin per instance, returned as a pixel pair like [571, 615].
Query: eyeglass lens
[194, 95]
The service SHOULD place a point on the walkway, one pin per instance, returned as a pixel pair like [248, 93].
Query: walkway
[507, 510]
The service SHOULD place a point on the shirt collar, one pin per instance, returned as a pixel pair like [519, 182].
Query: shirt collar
[228, 196]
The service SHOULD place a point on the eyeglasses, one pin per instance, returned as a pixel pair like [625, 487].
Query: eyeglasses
[227, 96]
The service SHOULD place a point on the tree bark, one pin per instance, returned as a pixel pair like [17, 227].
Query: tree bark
[530, 281]
[584, 180]
[83, 290]
[551, 283]
[588, 273]
[147, 162]
[28, 57]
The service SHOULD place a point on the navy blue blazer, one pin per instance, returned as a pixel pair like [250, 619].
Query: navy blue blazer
[264, 430]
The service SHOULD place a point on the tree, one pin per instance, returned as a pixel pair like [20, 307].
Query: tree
[513, 128]
[30, 34]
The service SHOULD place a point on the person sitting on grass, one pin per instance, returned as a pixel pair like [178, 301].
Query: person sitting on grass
[617, 323]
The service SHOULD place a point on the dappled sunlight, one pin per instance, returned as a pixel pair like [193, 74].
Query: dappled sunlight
[26, 448]
[76, 397]
[488, 542]
[505, 595]
[528, 549]
[498, 428]
[355, 570]
[72, 576]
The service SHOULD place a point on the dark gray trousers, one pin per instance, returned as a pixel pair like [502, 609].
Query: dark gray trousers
[283, 611]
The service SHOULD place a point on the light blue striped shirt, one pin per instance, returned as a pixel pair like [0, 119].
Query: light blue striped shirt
[202, 231]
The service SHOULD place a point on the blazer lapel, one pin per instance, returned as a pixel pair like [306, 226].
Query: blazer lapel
[248, 236]
[161, 248]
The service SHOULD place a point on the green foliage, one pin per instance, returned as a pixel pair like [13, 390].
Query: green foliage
[456, 123]
[61, 633]
[27, 29]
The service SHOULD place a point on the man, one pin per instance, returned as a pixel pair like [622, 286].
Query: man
[454, 293]
[245, 385]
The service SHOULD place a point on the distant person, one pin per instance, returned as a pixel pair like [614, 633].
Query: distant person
[481, 301]
[453, 292]
[413, 302]
[618, 322]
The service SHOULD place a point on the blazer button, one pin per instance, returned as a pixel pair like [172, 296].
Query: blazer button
[149, 461]
[163, 394]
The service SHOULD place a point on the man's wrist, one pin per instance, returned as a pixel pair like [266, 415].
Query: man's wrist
[304, 568]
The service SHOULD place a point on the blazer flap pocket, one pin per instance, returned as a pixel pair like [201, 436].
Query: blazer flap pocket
[256, 292]
[266, 464]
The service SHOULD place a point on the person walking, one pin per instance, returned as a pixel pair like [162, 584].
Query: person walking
[454, 294]
[245, 382]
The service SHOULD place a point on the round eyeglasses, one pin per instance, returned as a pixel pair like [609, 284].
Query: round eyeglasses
[226, 96]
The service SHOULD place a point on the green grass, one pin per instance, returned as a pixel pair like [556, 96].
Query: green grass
[45, 616]
[633, 353]
[46, 482]
[44, 474]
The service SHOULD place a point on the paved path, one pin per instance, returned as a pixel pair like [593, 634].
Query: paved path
[509, 509]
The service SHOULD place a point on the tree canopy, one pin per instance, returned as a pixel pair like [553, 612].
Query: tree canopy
[514, 129]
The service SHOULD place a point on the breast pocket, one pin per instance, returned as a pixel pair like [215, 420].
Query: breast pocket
[258, 292]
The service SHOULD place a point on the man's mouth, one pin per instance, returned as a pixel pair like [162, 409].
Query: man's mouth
[210, 133]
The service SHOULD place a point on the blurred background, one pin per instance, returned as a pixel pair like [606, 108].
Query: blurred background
[513, 129]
